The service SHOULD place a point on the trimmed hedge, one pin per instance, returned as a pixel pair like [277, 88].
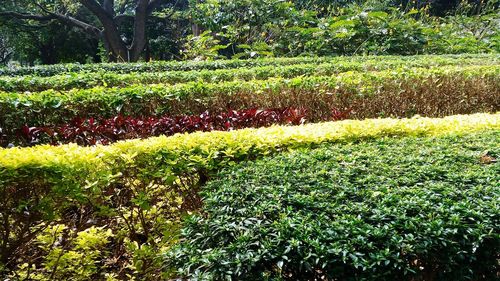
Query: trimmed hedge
[49, 70]
[112, 79]
[415, 208]
[403, 92]
[107, 131]
[138, 189]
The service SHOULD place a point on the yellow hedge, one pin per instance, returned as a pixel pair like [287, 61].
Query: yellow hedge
[247, 141]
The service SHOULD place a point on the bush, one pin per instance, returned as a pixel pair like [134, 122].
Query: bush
[50, 70]
[397, 92]
[322, 66]
[278, 28]
[464, 34]
[386, 209]
[92, 131]
[141, 188]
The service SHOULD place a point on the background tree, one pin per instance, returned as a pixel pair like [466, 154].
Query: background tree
[55, 31]
[5, 50]
[99, 19]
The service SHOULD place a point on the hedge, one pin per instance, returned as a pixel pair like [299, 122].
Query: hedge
[106, 131]
[113, 79]
[49, 70]
[387, 209]
[404, 92]
[139, 189]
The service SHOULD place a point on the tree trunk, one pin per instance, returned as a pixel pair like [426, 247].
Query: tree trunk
[139, 42]
[195, 28]
[47, 53]
[109, 33]
[147, 52]
[117, 50]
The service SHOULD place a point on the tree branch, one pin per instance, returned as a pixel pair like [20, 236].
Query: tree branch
[97, 10]
[110, 31]
[119, 19]
[25, 16]
[94, 31]
[90, 29]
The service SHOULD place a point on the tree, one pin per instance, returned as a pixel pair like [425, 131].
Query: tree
[5, 51]
[101, 19]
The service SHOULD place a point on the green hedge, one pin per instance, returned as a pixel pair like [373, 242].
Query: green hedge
[134, 192]
[386, 209]
[112, 79]
[400, 92]
[49, 70]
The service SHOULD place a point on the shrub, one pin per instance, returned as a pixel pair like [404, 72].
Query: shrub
[328, 66]
[91, 131]
[402, 93]
[346, 28]
[49, 70]
[387, 209]
[139, 189]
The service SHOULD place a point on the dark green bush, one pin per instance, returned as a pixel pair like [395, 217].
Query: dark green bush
[385, 209]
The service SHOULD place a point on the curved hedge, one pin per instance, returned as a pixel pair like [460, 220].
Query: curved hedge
[87, 80]
[403, 92]
[138, 189]
[386, 209]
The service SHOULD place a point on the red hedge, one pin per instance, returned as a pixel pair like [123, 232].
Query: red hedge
[90, 131]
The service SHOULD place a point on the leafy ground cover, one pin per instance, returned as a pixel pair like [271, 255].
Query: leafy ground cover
[412, 208]
[75, 212]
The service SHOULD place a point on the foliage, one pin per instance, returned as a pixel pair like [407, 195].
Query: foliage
[370, 27]
[46, 43]
[260, 70]
[462, 34]
[5, 50]
[202, 47]
[50, 70]
[397, 92]
[251, 28]
[360, 32]
[92, 132]
[243, 25]
[140, 189]
[53, 43]
[120, 26]
[69, 254]
[386, 209]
